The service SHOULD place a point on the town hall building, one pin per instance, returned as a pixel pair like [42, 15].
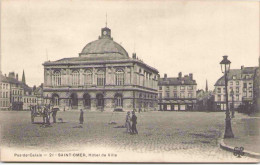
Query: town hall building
[103, 77]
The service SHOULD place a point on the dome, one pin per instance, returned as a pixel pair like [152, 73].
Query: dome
[104, 46]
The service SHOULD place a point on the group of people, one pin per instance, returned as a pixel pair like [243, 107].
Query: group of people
[45, 112]
[131, 122]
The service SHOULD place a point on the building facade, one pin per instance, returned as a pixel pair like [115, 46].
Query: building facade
[15, 94]
[177, 93]
[5, 89]
[103, 77]
[240, 81]
[256, 88]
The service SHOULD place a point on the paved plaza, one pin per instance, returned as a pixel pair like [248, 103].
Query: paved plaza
[188, 133]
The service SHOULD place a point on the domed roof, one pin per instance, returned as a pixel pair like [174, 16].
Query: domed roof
[104, 46]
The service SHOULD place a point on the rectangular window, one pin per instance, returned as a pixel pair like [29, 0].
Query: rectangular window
[250, 94]
[182, 87]
[219, 90]
[182, 95]
[168, 94]
[231, 82]
[160, 88]
[190, 87]
[237, 82]
[237, 97]
[160, 95]
[190, 95]
[175, 95]
[244, 94]
[175, 88]
[167, 88]
[237, 89]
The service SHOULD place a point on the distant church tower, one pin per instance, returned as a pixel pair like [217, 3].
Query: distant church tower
[23, 78]
[207, 86]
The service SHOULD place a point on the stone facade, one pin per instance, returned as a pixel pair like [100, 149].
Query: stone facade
[241, 82]
[177, 93]
[256, 101]
[103, 78]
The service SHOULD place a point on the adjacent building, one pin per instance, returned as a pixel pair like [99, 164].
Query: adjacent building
[102, 77]
[240, 81]
[177, 93]
[256, 87]
[15, 94]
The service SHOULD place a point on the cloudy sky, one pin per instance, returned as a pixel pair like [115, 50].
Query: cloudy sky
[172, 36]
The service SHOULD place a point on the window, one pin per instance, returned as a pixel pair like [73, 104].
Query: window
[160, 88]
[182, 95]
[168, 94]
[244, 94]
[245, 85]
[237, 82]
[56, 79]
[167, 88]
[175, 95]
[88, 77]
[100, 78]
[119, 77]
[234, 77]
[249, 85]
[118, 101]
[219, 97]
[87, 100]
[237, 89]
[182, 87]
[190, 87]
[75, 78]
[247, 76]
[250, 94]
[160, 95]
[190, 95]
[100, 100]
[237, 97]
[174, 87]
[231, 82]
[219, 90]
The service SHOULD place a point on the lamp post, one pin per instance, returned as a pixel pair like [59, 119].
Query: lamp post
[232, 107]
[225, 67]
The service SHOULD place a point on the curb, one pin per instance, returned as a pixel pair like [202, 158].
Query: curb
[231, 149]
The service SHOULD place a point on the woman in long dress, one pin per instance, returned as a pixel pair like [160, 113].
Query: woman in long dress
[128, 122]
[81, 117]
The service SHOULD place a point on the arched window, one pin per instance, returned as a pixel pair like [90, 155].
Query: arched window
[86, 100]
[55, 99]
[75, 78]
[88, 77]
[118, 100]
[119, 77]
[100, 78]
[56, 78]
[100, 100]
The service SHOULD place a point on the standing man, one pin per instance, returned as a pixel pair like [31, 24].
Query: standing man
[81, 117]
[134, 122]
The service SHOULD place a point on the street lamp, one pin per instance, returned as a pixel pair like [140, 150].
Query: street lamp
[225, 67]
[232, 108]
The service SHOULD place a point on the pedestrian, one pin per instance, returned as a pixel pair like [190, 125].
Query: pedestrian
[128, 122]
[81, 117]
[134, 122]
[54, 114]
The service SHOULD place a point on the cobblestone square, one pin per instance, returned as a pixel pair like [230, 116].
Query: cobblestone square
[187, 133]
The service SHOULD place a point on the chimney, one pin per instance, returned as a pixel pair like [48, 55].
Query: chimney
[191, 76]
[165, 75]
[16, 76]
[180, 75]
[134, 56]
[242, 67]
[11, 75]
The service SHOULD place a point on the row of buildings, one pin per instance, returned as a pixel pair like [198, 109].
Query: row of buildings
[104, 77]
[17, 95]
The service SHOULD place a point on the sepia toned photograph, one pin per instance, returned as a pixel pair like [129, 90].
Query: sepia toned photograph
[130, 81]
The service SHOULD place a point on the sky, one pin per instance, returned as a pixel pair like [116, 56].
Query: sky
[171, 36]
